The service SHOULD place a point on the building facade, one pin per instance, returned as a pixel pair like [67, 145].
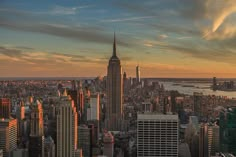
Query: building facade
[8, 136]
[36, 139]
[66, 128]
[5, 108]
[157, 135]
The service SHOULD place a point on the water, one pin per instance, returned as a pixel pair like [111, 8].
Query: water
[196, 87]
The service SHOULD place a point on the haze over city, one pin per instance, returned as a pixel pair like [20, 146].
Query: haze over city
[73, 38]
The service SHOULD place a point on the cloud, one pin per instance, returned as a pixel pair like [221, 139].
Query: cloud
[30, 22]
[61, 10]
[216, 12]
[214, 53]
[163, 36]
[223, 33]
[87, 34]
[128, 19]
[48, 58]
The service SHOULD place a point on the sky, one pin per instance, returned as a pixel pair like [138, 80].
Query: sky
[73, 38]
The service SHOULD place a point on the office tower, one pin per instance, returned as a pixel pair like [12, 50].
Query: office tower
[5, 108]
[213, 139]
[203, 140]
[20, 115]
[8, 136]
[67, 131]
[114, 105]
[36, 139]
[81, 99]
[108, 141]
[84, 140]
[166, 104]
[93, 110]
[73, 85]
[214, 83]
[78, 153]
[227, 131]
[125, 84]
[157, 135]
[1, 153]
[197, 103]
[184, 150]
[147, 107]
[49, 147]
[138, 74]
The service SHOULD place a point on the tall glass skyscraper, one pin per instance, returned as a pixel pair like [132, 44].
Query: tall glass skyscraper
[227, 131]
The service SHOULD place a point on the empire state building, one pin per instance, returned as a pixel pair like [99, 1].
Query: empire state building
[114, 105]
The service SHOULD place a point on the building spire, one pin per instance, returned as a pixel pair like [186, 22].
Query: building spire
[114, 45]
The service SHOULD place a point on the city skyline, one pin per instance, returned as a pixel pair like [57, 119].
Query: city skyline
[167, 38]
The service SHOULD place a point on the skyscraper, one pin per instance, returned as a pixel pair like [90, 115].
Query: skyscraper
[36, 140]
[84, 140]
[138, 74]
[49, 148]
[114, 106]
[5, 108]
[157, 135]
[66, 128]
[20, 115]
[93, 111]
[203, 140]
[8, 136]
[227, 131]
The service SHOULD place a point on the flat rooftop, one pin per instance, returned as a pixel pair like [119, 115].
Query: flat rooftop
[155, 116]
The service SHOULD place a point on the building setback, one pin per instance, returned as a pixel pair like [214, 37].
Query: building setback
[114, 105]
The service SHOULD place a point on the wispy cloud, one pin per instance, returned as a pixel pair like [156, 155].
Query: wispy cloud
[128, 19]
[87, 34]
[216, 12]
[61, 10]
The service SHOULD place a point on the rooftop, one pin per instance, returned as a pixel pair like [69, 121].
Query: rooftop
[153, 116]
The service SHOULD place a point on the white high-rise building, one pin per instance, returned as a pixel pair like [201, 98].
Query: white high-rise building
[67, 131]
[93, 111]
[157, 135]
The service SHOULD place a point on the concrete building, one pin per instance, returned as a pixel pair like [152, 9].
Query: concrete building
[147, 107]
[67, 131]
[5, 108]
[94, 108]
[203, 140]
[114, 105]
[36, 139]
[157, 135]
[1, 153]
[213, 139]
[84, 140]
[108, 141]
[8, 136]
[49, 147]
[197, 103]
[20, 153]
[20, 115]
